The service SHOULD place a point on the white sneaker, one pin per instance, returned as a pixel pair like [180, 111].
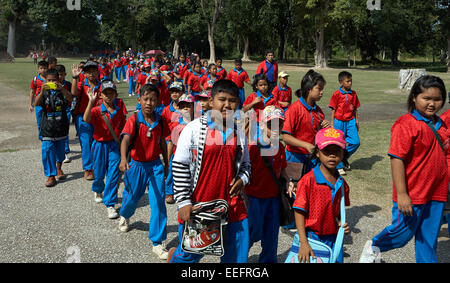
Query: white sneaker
[112, 213]
[161, 252]
[369, 254]
[98, 197]
[124, 224]
[67, 160]
[342, 172]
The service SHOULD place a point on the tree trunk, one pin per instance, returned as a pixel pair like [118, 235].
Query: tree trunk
[12, 37]
[176, 48]
[212, 46]
[245, 56]
[320, 57]
[211, 25]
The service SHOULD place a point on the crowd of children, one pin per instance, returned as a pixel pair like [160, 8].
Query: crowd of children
[193, 117]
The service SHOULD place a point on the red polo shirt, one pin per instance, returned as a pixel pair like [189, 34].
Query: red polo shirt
[262, 184]
[320, 201]
[83, 99]
[302, 122]
[221, 73]
[145, 148]
[425, 162]
[215, 184]
[445, 117]
[194, 81]
[238, 77]
[117, 120]
[270, 100]
[37, 83]
[345, 104]
[283, 94]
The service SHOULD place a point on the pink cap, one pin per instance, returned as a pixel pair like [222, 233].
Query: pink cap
[328, 136]
[186, 98]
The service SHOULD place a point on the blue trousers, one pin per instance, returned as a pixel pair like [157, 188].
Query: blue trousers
[124, 72]
[140, 176]
[169, 178]
[39, 112]
[66, 146]
[236, 249]
[52, 152]
[131, 85]
[118, 72]
[264, 225]
[351, 136]
[424, 225]
[85, 132]
[241, 98]
[106, 158]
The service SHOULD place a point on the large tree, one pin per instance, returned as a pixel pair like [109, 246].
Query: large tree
[210, 10]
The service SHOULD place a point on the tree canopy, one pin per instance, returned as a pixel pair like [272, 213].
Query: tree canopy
[295, 29]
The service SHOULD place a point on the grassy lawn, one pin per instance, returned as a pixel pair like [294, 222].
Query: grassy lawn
[370, 175]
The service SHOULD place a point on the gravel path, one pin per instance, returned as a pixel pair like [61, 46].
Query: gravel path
[64, 224]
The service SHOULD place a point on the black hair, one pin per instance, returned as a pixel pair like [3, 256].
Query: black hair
[60, 68]
[269, 51]
[211, 65]
[52, 60]
[82, 62]
[225, 86]
[344, 74]
[219, 59]
[43, 63]
[257, 78]
[310, 79]
[52, 72]
[423, 83]
[238, 60]
[149, 88]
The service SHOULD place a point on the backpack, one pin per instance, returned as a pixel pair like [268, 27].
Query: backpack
[323, 253]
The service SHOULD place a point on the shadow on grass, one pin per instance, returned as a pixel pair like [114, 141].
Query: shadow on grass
[366, 163]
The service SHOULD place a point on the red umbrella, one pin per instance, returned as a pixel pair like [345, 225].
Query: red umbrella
[154, 52]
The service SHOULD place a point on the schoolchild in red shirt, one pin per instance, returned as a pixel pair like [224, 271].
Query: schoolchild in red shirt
[239, 76]
[145, 168]
[419, 145]
[104, 70]
[263, 192]
[118, 67]
[261, 97]
[221, 72]
[35, 88]
[304, 118]
[209, 77]
[219, 151]
[80, 90]
[180, 69]
[105, 147]
[344, 104]
[318, 196]
[282, 91]
[193, 82]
